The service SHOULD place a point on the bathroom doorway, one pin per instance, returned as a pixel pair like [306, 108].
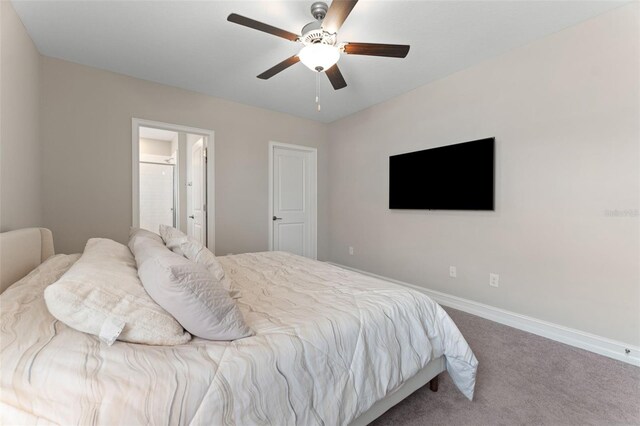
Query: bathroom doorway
[173, 179]
[158, 178]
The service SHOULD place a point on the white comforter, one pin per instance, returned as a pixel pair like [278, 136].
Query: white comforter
[329, 343]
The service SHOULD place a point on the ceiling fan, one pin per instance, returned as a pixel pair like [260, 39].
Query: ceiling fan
[321, 49]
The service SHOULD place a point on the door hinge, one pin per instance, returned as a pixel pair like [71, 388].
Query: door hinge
[206, 157]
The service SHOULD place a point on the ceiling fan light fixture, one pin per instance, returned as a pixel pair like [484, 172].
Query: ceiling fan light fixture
[319, 57]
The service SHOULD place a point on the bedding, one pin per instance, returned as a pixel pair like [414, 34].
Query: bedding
[192, 249]
[135, 233]
[328, 344]
[182, 244]
[173, 238]
[189, 292]
[101, 294]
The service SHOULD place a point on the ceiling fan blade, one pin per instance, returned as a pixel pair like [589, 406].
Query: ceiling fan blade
[261, 26]
[335, 77]
[280, 67]
[337, 14]
[375, 49]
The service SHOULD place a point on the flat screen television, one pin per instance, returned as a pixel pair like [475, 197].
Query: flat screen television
[452, 177]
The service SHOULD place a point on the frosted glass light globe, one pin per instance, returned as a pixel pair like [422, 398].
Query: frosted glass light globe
[319, 57]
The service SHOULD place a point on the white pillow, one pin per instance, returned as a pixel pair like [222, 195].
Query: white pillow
[173, 238]
[189, 292]
[102, 289]
[180, 243]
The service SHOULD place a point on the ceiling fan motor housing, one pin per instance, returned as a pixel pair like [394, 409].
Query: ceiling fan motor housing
[319, 10]
[312, 33]
[316, 36]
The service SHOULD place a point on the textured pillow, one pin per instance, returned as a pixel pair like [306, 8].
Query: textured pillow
[102, 289]
[173, 238]
[180, 243]
[189, 292]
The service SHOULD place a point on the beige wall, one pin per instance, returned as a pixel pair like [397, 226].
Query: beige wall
[86, 122]
[20, 147]
[565, 113]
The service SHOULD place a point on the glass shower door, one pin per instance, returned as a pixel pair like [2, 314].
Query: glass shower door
[156, 195]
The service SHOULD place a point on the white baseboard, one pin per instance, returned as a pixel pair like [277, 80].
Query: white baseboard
[580, 339]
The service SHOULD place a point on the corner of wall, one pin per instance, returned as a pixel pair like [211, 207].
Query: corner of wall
[21, 192]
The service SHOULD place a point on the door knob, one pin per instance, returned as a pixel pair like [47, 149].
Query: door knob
[277, 218]
[192, 217]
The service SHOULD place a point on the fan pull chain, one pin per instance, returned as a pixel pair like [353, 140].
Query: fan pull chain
[318, 90]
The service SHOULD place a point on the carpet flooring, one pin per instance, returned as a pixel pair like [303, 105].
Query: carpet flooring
[524, 379]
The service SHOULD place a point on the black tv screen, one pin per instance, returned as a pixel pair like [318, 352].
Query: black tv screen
[453, 177]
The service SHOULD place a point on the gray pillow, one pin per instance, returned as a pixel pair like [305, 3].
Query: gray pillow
[144, 248]
[189, 292]
[136, 234]
[133, 232]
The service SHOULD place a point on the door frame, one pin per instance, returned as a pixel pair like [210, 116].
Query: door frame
[136, 123]
[313, 184]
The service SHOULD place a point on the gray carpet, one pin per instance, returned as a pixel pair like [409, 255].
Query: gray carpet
[524, 379]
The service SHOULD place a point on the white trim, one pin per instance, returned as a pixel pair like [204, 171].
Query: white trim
[136, 123]
[314, 198]
[135, 172]
[579, 339]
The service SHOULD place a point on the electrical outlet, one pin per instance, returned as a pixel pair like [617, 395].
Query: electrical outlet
[494, 280]
[453, 272]
[351, 250]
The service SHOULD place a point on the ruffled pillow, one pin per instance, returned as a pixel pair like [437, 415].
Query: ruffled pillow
[178, 242]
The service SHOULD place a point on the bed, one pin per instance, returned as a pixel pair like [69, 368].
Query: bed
[331, 347]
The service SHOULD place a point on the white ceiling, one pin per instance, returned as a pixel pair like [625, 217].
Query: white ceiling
[189, 44]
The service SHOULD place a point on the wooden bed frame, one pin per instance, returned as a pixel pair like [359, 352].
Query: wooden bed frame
[24, 249]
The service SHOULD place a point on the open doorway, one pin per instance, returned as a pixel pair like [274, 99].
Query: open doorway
[173, 179]
[158, 178]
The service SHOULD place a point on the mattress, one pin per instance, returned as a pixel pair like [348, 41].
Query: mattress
[329, 343]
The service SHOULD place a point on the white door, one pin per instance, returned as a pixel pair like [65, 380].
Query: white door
[293, 200]
[196, 193]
